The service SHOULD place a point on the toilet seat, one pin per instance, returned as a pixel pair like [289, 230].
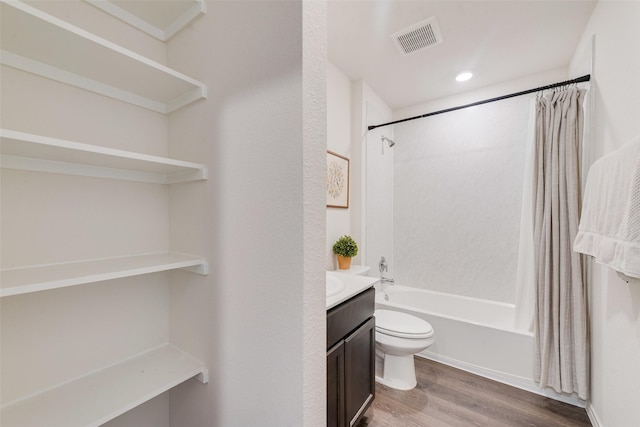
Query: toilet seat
[397, 324]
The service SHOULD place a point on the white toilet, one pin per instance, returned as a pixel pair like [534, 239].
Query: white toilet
[398, 337]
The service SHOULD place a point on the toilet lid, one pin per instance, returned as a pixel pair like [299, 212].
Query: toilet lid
[402, 325]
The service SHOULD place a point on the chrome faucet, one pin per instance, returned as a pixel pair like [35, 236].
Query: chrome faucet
[382, 267]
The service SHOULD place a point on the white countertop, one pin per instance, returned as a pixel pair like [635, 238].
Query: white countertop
[354, 269]
[353, 286]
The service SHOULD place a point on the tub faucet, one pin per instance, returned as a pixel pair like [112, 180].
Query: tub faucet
[388, 280]
[385, 282]
[382, 266]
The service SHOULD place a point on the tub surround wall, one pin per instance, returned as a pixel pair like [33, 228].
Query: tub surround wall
[457, 190]
[395, 189]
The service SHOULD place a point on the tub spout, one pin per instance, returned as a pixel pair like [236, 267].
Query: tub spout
[385, 282]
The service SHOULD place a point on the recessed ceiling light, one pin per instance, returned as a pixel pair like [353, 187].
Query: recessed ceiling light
[463, 77]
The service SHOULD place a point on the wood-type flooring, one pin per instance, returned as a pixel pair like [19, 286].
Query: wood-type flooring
[446, 397]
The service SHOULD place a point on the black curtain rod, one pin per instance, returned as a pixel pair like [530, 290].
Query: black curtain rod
[486, 101]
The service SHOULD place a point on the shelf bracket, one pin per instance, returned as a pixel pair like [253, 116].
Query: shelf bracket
[202, 269]
[203, 376]
[188, 176]
[200, 92]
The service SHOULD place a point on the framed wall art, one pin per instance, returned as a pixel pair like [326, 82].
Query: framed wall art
[337, 181]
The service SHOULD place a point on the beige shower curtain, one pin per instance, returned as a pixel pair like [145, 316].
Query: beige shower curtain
[560, 320]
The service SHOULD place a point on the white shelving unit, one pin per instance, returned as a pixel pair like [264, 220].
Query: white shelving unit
[37, 278]
[38, 43]
[94, 399]
[41, 44]
[43, 154]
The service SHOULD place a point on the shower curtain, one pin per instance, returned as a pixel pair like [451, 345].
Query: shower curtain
[560, 318]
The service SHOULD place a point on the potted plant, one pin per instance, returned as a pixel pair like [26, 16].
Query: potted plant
[345, 248]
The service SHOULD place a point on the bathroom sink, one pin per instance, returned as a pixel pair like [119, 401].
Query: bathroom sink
[334, 286]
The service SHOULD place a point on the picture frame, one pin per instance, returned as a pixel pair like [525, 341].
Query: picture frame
[337, 181]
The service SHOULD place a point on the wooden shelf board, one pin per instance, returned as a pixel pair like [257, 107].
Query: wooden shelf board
[94, 399]
[43, 154]
[42, 44]
[16, 281]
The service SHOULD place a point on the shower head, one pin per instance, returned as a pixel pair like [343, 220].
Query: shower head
[388, 141]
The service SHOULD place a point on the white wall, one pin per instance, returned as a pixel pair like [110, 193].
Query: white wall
[615, 306]
[258, 319]
[338, 141]
[351, 107]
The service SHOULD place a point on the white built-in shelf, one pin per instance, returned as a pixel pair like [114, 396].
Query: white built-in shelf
[43, 154]
[38, 43]
[161, 20]
[23, 280]
[101, 396]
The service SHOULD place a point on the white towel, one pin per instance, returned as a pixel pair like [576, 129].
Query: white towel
[610, 223]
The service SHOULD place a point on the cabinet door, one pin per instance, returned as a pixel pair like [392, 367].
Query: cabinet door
[335, 386]
[359, 359]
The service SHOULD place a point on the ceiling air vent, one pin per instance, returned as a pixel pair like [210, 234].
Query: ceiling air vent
[418, 36]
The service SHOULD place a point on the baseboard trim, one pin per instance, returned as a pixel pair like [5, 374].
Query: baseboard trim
[593, 416]
[523, 383]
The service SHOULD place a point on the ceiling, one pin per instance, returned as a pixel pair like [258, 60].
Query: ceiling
[496, 40]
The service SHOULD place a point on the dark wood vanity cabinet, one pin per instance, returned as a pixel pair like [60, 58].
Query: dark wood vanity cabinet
[335, 386]
[350, 359]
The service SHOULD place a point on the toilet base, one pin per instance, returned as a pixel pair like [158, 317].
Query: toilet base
[396, 372]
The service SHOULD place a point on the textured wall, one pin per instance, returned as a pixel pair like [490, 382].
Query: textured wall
[457, 197]
[314, 368]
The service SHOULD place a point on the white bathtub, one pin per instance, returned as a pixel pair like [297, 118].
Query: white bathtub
[471, 334]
